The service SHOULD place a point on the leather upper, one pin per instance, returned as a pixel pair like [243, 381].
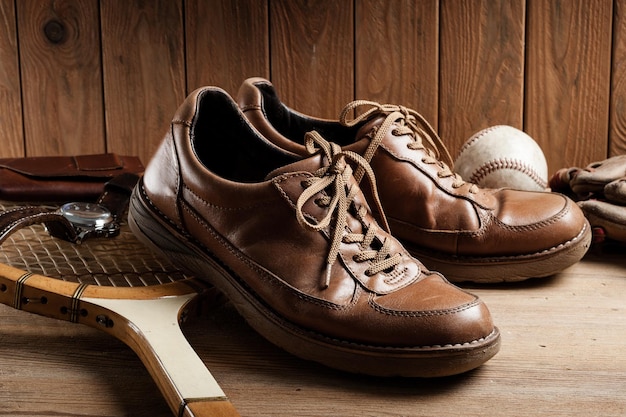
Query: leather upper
[427, 206]
[234, 196]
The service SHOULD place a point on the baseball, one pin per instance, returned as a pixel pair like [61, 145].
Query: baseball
[503, 156]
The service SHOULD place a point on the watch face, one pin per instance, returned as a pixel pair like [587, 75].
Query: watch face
[89, 215]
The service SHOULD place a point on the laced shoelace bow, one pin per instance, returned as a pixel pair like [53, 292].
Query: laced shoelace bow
[335, 177]
[404, 121]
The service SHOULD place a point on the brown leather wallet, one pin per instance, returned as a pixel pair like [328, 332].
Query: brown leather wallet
[62, 178]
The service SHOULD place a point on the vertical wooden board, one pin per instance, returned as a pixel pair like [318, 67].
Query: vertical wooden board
[312, 54]
[617, 128]
[59, 45]
[144, 72]
[397, 53]
[11, 130]
[227, 41]
[568, 79]
[481, 67]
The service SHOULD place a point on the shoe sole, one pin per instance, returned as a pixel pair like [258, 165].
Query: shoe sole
[424, 361]
[489, 270]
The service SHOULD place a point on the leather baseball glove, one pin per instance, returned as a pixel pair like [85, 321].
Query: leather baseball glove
[600, 190]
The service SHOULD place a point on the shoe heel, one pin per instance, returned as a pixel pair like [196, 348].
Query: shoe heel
[163, 239]
[153, 233]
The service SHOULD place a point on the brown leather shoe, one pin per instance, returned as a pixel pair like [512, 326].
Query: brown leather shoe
[457, 228]
[293, 245]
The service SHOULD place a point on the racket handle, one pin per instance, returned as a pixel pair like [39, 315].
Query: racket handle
[210, 408]
[154, 333]
[145, 318]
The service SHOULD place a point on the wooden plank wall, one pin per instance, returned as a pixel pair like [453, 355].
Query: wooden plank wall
[86, 76]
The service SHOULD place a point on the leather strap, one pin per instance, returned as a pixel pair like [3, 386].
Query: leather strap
[15, 219]
[117, 192]
[115, 198]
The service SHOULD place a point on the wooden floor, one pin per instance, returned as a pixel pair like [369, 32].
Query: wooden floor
[563, 354]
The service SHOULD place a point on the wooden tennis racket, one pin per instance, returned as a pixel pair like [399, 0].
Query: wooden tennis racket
[120, 287]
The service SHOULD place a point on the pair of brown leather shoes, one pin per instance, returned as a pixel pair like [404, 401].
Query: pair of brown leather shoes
[285, 231]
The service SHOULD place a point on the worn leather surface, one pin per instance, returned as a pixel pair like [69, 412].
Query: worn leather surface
[231, 195]
[428, 211]
[597, 175]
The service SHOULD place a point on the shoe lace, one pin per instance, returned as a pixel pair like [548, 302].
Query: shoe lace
[404, 121]
[333, 182]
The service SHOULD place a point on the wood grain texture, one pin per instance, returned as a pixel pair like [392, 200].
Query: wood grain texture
[397, 53]
[61, 77]
[482, 67]
[553, 68]
[312, 52]
[12, 134]
[617, 125]
[78, 371]
[568, 80]
[144, 72]
[226, 43]
[562, 340]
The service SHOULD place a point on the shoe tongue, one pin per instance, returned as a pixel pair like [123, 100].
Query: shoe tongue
[366, 129]
[310, 164]
[313, 163]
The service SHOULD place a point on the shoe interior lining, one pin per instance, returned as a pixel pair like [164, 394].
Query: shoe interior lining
[225, 143]
[294, 125]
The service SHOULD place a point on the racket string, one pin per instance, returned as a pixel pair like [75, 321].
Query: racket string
[122, 261]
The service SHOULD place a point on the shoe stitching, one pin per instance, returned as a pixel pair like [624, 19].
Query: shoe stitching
[282, 192]
[266, 276]
[534, 226]
[209, 204]
[486, 217]
[162, 215]
[479, 259]
[425, 313]
[251, 264]
[493, 333]
[397, 275]
[300, 295]
[401, 120]
[251, 106]
[417, 162]
[272, 280]
[182, 122]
